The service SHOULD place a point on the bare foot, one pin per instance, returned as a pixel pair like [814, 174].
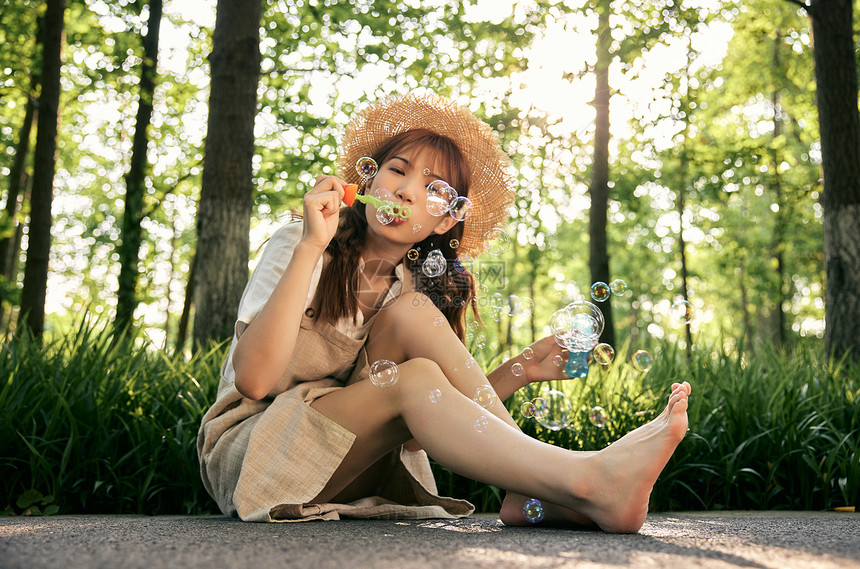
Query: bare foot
[617, 490]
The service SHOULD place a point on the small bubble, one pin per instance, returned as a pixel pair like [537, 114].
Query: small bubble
[600, 291]
[438, 201]
[682, 312]
[481, 341]
[527, 409]
[384, 195]
[533, 511]
[384, 215]
[498, 242]
[454, 243]
[470, 362]
[528, 353]
[412, 254]
[558, 360]
[597, 416]
[485, 396]
[435, 264]
[366, 167]
[416, 228]
[474, 326]
[481, 424]
[618, 287]
[435, 396]
[439, 321]
[517, 369]
[642, 360]
[604, 354]
[461, 208]
[383, 373]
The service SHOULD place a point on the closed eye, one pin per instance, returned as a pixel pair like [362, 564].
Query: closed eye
[396, 170]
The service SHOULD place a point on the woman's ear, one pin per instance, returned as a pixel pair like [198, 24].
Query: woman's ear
[445, 225]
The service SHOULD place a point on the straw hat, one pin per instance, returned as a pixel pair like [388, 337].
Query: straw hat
[491, 189]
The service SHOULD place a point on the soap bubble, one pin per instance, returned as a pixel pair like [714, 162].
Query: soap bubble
[474, 326]
[481, 341]
[528, 353]
[366, 167]
[497, 305]
[384, 195]
[539, 405]
[533, 511]
[416, 228]
[485, 396]
[481, 424]
[558, 360]
[383, 373]
[600, 291]
[435, 396]
[527, 409]
[597, 416]
[438, 198]
[682, 312]
[454, 243]
[577, 326]
[439, 321]
[556, 412]
[642, 360]
[513, 305]
[604, 354]
[412, 254]
[517, 369]
[618, 287]
[384, 215]
[435, 264]
[461, 208]
[498, 242]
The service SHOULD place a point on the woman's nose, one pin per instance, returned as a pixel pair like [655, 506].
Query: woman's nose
[409, 191]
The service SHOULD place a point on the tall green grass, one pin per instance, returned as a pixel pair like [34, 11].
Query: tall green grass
[94, 424]
[776, 430]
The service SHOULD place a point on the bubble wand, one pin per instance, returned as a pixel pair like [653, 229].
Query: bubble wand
[367, 168]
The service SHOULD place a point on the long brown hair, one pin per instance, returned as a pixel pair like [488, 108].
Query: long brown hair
[452, 292]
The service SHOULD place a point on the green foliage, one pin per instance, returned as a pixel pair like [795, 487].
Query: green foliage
[778, 430]
[97, 424]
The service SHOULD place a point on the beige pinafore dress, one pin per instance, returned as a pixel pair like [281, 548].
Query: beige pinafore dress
[265, 460]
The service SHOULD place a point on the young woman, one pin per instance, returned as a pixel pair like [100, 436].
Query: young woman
[299, 431]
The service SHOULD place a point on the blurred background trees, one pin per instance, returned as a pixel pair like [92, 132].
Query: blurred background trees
[692, 129]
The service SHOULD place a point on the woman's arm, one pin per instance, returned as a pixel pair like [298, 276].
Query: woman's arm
[540, 367]
[265, 348]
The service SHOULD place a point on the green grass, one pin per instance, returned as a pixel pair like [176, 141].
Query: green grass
[776, 430]
[93, 425]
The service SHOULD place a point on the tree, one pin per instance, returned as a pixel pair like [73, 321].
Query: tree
[226, 197]
[839, 123]
[129, 249]
[39, 237]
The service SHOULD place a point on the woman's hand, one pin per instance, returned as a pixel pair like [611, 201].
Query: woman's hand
[322, 211]
[542, 365]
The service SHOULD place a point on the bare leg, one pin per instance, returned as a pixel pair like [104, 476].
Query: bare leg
[409, 329]
[610, 487]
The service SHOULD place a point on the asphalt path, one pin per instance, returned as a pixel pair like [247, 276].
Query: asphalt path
[808, 540]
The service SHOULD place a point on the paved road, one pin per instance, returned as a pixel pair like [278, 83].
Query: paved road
[689, 540]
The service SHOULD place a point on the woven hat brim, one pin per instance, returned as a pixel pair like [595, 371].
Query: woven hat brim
[491, 188]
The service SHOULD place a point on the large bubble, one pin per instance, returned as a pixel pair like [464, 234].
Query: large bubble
[383, 373]
[577, 326]
[555, 411]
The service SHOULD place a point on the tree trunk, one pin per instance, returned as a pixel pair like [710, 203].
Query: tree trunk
[131, 237]
[226, 197]
[778, 245]
[599, 187]
[17, 182]
[35, 285]
[836, 79]
[182, 329]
